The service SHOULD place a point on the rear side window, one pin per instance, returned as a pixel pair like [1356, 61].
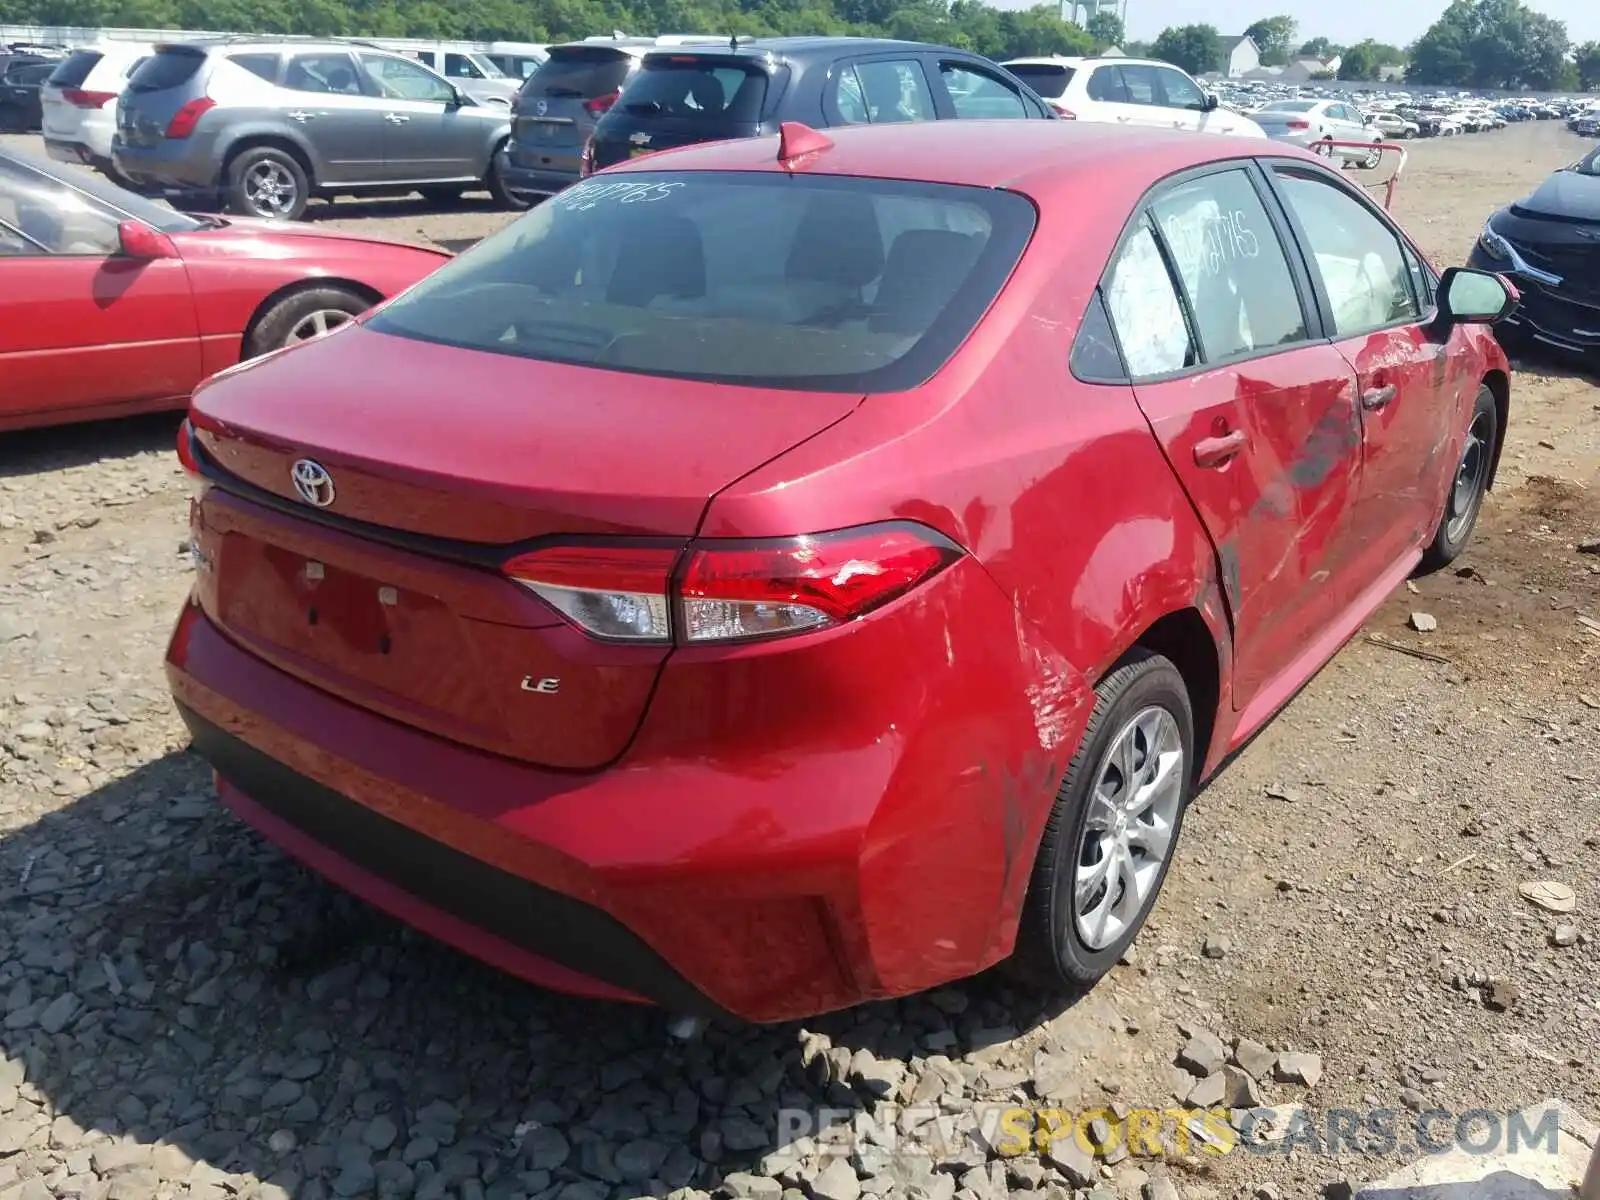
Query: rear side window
[1232, 265]
[686, 87]
[75, 69]
[579, 75]
[804, 282]
[1140, 84]
[1145, 309]
[883, 93]
[325, 73]
[1106, 85]
[1048, 79]
[263, 65]
[167, 68]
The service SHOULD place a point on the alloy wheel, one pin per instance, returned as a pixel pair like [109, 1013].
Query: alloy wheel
[270, 189]
[315, 324]
[1127, 832]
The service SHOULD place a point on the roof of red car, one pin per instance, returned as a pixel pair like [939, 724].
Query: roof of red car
[1024, 155]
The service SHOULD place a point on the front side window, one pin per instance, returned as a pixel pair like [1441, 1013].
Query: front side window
[1180, 91]
[812, 283]
[325, 74]
[977, 94]
[1232, 265]
[1141, 84]
[459, 66]
[51, 218]
[1355, 254]
[1145, 310]
[396, 79]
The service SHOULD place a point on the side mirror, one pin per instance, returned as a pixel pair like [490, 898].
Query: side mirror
[137, 240]
[458, 98]
[1470, 297]
[1211, 103]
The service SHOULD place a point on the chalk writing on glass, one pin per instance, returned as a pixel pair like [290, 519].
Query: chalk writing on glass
[590, 195]
[1208, 241]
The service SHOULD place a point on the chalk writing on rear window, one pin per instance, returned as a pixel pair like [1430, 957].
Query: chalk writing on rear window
[1209, 241]
[590, 195]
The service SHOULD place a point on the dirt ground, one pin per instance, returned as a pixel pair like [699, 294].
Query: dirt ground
[185, 1012]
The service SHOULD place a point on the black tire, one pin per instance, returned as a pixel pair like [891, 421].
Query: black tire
[1468, 485]
[12, 119]
[247, 186]
[497, 188]
[441, 195]
[282, 322]
[1050, 950]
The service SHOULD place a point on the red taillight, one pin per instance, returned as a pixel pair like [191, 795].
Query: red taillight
[1062, 111]
[601, 104]
[79, 98]
[586, 159]
[733, 590]
[186, 118]
[186, 456]
[1299, 124]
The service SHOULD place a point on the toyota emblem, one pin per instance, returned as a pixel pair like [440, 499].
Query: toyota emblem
[313, 483]
[541, 108]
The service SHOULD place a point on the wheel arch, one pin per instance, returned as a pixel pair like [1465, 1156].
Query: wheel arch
[366, 291]
[1499, 384]
[1185, 640]
[277, 141]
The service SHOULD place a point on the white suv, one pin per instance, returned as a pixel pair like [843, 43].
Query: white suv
[79, 102]
[1128, 91]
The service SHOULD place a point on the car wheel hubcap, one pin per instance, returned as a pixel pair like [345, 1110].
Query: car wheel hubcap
[1468, 487]
[313, 325]
[270, 189]
[1133, 810]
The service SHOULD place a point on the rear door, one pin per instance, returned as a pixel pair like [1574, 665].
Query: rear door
[79, 325]
[341, 118]
[1256, 414]
[557, 109]
[1112, 101]
[426, 133]
[1376, 298]
[879, 90]
[677, 99]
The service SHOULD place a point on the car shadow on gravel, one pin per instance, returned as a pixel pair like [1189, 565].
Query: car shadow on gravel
[181, 1002]
[40, 451]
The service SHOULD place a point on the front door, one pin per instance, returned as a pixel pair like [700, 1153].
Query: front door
[427, 133]
[80, 326]
[338, 116]
[1256, 415]
[1375, 296]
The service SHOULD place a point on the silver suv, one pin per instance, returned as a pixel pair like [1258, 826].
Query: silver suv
[271, 122]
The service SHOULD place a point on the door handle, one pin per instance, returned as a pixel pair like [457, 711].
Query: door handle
[395, 118]
[1375, 398]
[302, 117]
[1217, 451]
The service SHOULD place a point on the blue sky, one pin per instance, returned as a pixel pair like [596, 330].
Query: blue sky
[1348, 21]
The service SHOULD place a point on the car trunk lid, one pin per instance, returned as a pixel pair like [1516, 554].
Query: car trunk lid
[391, 595]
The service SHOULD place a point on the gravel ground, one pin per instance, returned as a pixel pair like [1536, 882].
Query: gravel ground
[183, 1011]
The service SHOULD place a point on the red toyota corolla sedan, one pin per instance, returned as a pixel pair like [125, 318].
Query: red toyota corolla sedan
[782, 573]
[111, 304]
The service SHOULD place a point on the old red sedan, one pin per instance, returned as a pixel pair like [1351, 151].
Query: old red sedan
[112, 304]
[781, 573]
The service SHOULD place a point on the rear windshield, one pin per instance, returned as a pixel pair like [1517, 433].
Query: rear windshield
[579, 74]
[814, 283]
[165, 69]
[75, 70]
[687, 87]
[1048, 79]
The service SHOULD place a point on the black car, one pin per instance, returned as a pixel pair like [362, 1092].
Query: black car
[1549, 244]
[747, 88]
[20, 81]
[555, 114]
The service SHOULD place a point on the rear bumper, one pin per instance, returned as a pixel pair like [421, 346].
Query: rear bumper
[816, 852]
[551, 174]
[178, 162]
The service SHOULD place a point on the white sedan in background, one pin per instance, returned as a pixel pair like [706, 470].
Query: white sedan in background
[1315, 124]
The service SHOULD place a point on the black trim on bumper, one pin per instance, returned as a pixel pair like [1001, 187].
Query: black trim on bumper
[537, 919]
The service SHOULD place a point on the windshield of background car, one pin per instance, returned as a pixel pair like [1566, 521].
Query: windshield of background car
[579, 74]
[688, 87]
[1048, 79]
[764, 279]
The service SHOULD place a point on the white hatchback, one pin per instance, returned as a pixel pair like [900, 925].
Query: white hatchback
[79, 102]
[1128, 91]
